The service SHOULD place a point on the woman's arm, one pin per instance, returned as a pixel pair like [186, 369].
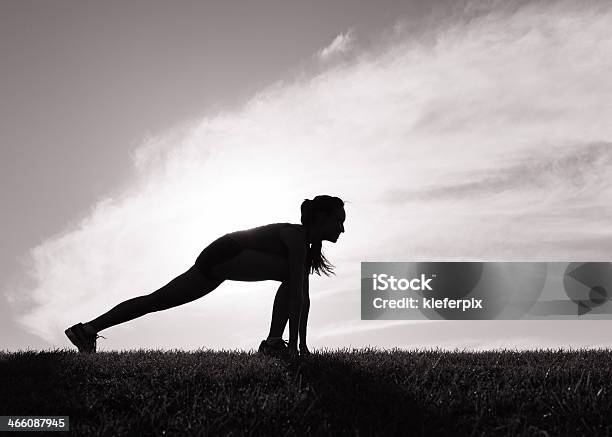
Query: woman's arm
[295, 240]
[304, 314]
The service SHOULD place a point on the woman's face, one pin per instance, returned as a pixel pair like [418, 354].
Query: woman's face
[332, 225]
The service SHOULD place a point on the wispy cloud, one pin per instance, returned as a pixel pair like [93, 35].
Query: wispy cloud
[580, 170]
[341, 44]
[503, 119]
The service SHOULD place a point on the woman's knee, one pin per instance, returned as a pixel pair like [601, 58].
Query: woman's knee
[283, 288]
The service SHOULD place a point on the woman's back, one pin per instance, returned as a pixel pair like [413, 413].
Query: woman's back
[263, 238]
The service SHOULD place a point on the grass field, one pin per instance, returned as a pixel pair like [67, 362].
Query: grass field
[342, 392]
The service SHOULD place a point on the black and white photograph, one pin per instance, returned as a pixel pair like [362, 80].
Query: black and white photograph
[322, 218]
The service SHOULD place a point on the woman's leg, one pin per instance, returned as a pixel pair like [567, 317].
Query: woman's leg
[186, 287]
[248, 265]
[280, 312]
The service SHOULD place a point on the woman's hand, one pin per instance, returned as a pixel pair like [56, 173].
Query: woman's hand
[304, 352]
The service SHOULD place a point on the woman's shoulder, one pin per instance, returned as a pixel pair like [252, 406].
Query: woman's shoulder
[297, 226]
[292, 227]
[268, 230]
[292, 233]
[279, 226]
[266, 227]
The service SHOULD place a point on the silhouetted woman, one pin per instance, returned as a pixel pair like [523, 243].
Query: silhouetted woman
[283, 252]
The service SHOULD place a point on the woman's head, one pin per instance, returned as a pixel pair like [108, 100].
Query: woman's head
[323, 217]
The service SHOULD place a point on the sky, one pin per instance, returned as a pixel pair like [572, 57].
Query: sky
[135, 133]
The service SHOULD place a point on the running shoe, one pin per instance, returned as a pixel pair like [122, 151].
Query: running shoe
[83, 340]
[278, 348]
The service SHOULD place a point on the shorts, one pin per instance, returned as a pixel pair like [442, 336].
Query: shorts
[219, 251]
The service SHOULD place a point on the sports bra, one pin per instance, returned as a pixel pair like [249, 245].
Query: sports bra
[263, 238]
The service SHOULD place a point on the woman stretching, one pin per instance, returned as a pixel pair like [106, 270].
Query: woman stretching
[283, 252]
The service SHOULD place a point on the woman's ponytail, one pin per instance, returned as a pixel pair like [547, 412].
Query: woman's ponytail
[307, 212]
